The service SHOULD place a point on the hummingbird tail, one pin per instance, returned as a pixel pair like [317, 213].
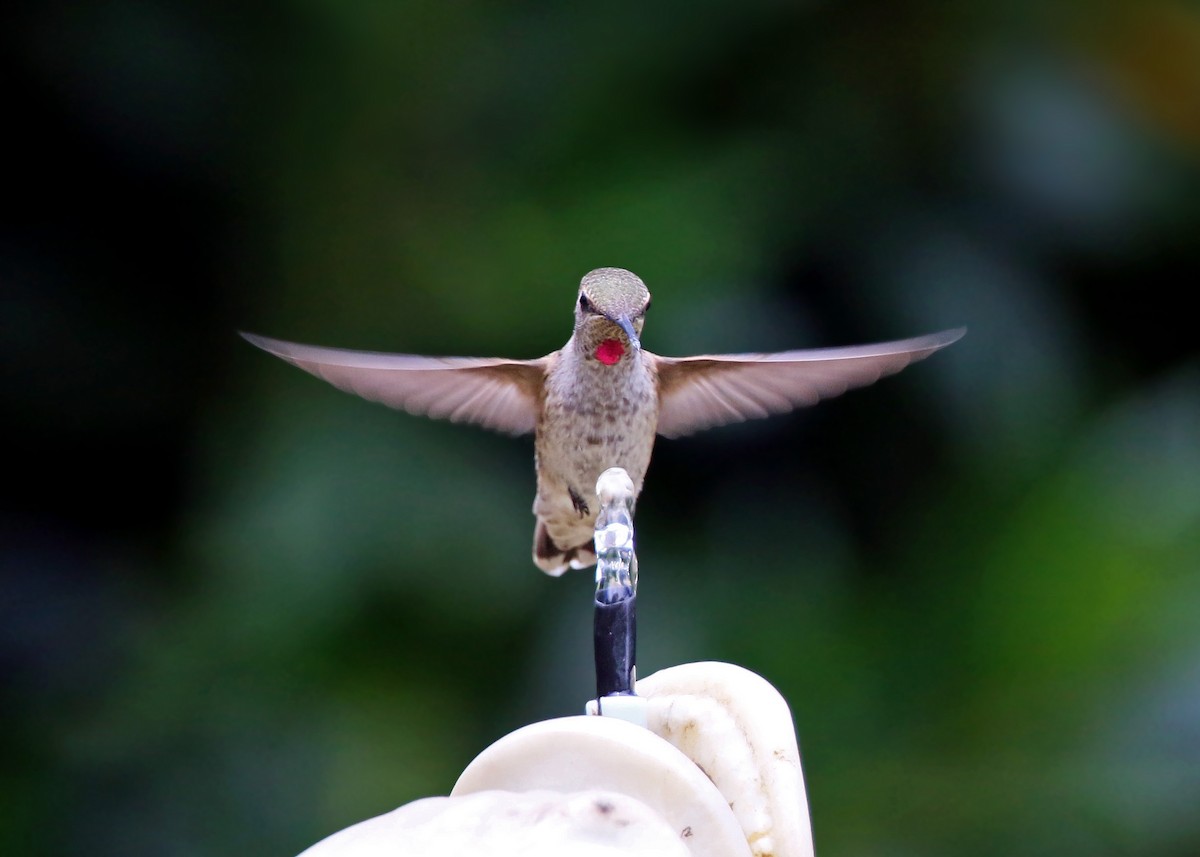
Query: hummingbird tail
[553, 560]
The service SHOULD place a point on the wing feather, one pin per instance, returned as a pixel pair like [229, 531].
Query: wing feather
[493, 392]
[715, 389]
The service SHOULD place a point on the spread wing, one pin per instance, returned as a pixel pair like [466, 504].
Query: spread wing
[714, 389]
[492, 392]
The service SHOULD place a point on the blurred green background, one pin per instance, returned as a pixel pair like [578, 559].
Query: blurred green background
[242, 610]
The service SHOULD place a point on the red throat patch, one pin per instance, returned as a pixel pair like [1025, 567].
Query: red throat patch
[609, 351]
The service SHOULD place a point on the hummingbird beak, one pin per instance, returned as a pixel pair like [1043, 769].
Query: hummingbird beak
[623, 322]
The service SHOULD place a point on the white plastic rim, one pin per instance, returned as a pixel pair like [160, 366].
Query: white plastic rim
[573, 754]
[734, 725]
[509, 824]
[715, 773]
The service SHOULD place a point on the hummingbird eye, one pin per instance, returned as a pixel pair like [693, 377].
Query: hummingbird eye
[585, 304]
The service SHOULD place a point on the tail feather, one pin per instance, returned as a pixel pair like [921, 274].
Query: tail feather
[554, 560]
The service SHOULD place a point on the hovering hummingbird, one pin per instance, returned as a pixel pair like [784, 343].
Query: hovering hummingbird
[599, 401]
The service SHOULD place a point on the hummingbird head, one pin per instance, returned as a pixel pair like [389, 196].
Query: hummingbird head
[611, 307]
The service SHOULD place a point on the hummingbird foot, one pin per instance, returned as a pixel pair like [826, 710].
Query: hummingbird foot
[579, 503]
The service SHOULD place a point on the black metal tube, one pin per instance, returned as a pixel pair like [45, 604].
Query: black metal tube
[616, 646]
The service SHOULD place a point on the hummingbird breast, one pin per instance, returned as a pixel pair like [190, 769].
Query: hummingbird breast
[594, 416]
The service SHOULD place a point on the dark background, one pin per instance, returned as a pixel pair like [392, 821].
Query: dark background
[241, 610]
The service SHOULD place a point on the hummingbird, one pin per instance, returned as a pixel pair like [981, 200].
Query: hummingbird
[601, 399]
